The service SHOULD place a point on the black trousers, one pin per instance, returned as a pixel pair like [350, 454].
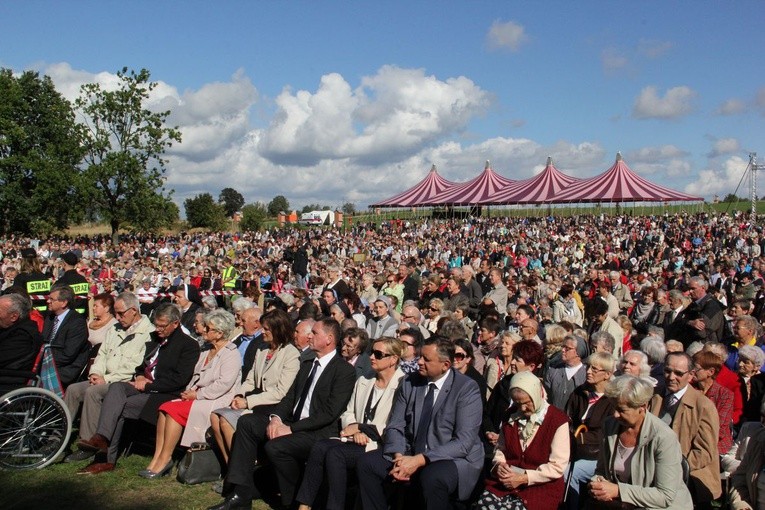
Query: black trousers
[287, 454]
[438, 482]
[122, 401]
[329, 463]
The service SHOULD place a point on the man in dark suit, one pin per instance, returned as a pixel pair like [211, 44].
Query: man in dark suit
[308, 413]
[250, 340]
[20, 342]
[165, 372]
[411, 287]
[67, 333]
[432, 437]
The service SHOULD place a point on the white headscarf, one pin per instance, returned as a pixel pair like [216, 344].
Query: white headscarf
[531, 384]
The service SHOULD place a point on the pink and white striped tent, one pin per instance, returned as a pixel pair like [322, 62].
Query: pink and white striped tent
[540, 189]
[620, 184]
[480, 190]
[430, 186]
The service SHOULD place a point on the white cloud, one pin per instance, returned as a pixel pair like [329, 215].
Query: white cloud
[613, 60]
[723, 146]
[655, 154]
[759, 100]
[506, 35]
[719, 181]
[391, 114]
[731, 107]
[653, 48]
[677, 102]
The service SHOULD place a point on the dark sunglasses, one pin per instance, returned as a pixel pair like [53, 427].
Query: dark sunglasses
[459, 356]
[378, 355]
[678, 373]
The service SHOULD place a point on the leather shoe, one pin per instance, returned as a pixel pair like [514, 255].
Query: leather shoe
[233, 502]
[151, 475]
[97, 443]
[78, 456]
[96, 468]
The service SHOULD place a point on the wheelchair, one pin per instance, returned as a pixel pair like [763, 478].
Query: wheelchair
[35, 425]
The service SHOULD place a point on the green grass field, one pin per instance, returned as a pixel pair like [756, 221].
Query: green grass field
[59, 487]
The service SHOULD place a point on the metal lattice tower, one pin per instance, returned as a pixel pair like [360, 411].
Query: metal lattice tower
[753, 187]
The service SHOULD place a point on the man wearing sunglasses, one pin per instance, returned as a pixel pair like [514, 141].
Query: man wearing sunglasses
[694, 419]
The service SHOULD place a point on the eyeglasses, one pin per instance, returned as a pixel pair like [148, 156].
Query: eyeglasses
[595, 370]
[160, 327]
[459, 356]
[122, 313]
[567, 348]
[432, 309]
[378, 355]
[678, 373]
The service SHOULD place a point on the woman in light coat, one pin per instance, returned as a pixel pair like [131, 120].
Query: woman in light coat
[272, 374]
[640, 458]
[363, 423]
[215, 381]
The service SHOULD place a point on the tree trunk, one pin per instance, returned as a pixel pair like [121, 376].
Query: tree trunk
[115, 231]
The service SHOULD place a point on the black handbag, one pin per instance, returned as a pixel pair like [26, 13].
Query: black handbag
[200, 464]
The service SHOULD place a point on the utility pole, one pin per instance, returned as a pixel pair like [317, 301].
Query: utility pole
[753, 187]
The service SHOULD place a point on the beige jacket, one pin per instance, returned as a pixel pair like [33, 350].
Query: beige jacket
[273, 380]
[122, 351]
[354, 413]
[697, 426]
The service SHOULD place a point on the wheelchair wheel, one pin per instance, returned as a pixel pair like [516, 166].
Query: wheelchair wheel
[34, 428]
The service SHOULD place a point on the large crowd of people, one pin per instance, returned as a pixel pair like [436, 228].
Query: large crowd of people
[491, 363]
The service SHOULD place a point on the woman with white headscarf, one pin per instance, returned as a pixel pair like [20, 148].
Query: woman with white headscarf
[532, 453]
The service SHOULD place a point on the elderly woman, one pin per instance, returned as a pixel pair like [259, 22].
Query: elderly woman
[215, 381]
[363, 422]
[527, 356]
[634, 363]
[640, 459]
[706, 367]
[646, 312]
[554, 335]
[498, 366]
[588, 409]
[750, 360]
[532, 452]
[267, 383]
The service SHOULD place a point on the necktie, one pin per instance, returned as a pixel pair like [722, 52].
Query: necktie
[304, 394]
[54, 330]
[421, 439]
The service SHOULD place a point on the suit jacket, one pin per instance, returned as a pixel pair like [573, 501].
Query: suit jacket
[268, 384]
[328, 401]
[559, 388]
[19, 345]
[656, 467]
[454, 429]
[307, 355]
[357, 406]
[363, 366]
[175, 366]
[411, 289]
[70, 346]
[697, 426]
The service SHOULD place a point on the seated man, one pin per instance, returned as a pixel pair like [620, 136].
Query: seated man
[308, 413]
[432, 436]
[20, 342]
[164, 373]
[122, 351]
[67, 333]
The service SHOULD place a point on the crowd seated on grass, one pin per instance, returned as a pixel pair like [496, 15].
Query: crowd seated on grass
[570, 301]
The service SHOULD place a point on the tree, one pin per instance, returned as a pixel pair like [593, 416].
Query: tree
[202, 211]
[313, 207]
[124, 147]
[39, 156]
[253, 216]
[277, 205]
[349, 208]
[231, 200]
[730, 197]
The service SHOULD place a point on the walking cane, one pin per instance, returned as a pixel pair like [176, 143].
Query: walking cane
[580, 429]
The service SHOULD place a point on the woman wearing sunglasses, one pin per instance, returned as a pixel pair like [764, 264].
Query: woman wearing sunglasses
[363, 422]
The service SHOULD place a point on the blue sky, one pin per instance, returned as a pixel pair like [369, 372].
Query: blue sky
[353, 101]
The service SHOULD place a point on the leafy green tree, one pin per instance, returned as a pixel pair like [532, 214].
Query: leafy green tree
[277, 205]
[313, 207]
[124, 147]
[202, 211]
[730, 197]
[253, 216]
[231, 200]
[39, 156]
[349, 208]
